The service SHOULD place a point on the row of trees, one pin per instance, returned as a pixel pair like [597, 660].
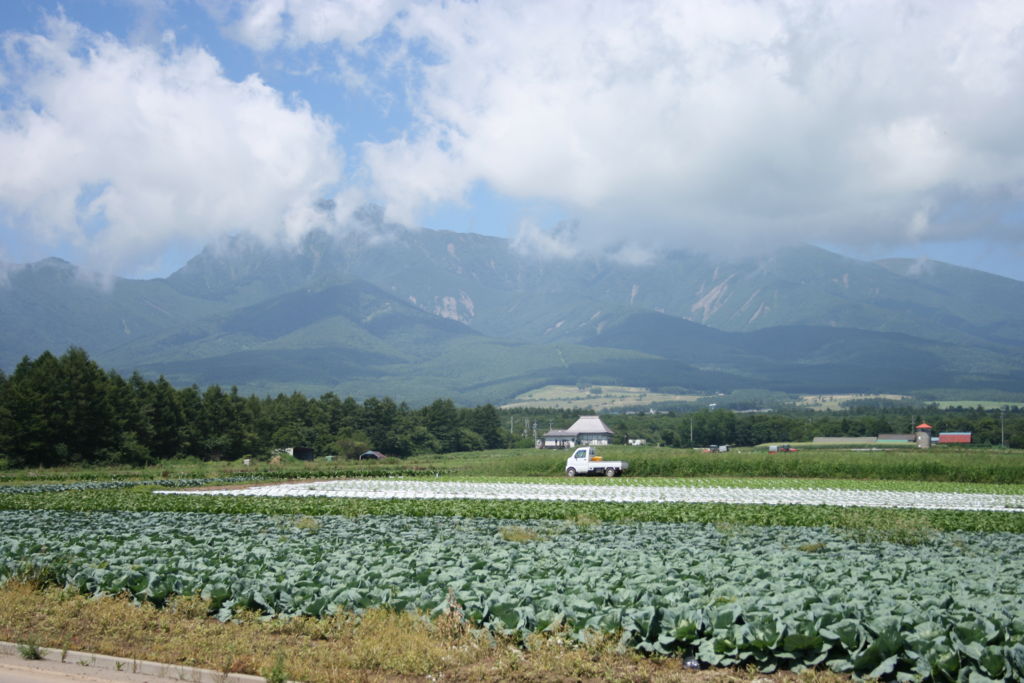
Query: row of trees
[64, 410]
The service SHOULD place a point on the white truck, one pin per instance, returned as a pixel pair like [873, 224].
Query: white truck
[585, 460]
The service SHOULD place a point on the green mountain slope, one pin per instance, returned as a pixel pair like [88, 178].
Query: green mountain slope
[50, 305]
[802, 358]
[418, 314]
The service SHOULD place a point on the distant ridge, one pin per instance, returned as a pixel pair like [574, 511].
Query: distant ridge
[417, 314]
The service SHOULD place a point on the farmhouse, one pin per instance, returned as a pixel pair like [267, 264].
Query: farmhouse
[588, 430]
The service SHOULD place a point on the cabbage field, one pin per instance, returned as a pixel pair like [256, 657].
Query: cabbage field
[771, 596]
[896, 599]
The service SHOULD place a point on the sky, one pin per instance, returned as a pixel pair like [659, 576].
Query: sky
[134, 132]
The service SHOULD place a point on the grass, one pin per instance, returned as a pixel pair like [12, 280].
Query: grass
[899, 530]
[376, 646]
[30, 650]
[519, 534]
[598, 398]
[836, 401]
[951, 465]
[961, 465]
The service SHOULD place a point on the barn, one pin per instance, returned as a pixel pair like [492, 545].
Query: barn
[954, 437]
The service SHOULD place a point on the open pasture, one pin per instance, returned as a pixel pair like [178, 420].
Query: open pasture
[599, 398]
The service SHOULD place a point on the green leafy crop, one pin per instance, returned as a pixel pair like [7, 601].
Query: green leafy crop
[946, 608]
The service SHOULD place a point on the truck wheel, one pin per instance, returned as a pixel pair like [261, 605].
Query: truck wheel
[609, 473]
[570, 472]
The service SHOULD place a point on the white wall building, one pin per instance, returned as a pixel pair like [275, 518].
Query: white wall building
[588, 430]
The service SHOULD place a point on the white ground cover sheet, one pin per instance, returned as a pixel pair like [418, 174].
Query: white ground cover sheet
[402, 488]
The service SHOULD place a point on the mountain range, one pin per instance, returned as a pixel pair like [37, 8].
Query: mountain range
[419, 314]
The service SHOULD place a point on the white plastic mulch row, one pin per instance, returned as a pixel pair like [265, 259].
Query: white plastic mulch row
[399, 488]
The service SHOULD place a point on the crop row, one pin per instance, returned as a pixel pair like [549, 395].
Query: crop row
[398, 488]
[874, 521]
[11, 489]
[768, 483]
[771, 597]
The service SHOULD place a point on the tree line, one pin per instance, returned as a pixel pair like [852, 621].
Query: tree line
[60, 410]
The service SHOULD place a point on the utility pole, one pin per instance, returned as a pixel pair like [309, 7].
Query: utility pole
[1002, 427]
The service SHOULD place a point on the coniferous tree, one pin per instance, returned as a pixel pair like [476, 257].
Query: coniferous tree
[441, 419]
[167, 419]
[32, 430]
[485, 421]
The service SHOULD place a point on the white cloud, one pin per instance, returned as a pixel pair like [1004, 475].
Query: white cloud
[264, 24]
[560, 242]
[123, 150]
[261, 26]
[726, 125]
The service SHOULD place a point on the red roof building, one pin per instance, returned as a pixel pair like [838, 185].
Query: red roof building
[954, 437]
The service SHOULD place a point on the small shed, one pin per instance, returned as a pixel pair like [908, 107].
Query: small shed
[371, 455]
[297, 452]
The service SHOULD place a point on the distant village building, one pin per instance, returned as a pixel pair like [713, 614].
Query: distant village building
[588, 430]
[923, 435]
[297, 452]
[844, 440]
[955, 437]
[895, 438]
[557, 438]
[637, 442]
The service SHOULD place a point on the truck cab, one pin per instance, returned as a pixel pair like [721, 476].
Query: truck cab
[585, 460]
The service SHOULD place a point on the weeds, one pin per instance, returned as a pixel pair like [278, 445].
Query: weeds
[276, 673]
[585, 521]
[307, 523]
[811, 547]
[188, 606]
[518, 534]
[901, 530]
[378, 645]
[451, 625]
[30, 650]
